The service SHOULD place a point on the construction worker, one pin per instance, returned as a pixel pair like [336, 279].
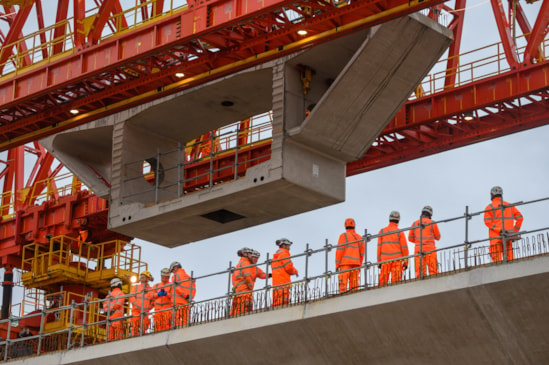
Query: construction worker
[243, 279]
[501, 219]
[114, 307]
[424, 232]
[309, 109]
[349, 256]
[283, 269]
[162, 297]
[183, 291]
[391, 245]
[141, 301]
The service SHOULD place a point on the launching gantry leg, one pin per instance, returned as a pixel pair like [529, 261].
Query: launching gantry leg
[359, 83]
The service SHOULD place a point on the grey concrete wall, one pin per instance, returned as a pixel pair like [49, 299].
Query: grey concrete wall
[492, 315]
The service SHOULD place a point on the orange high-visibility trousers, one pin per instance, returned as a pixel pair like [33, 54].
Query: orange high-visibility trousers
[182, 315]
[496, 250]
[116, 329]
[429, 260]
[393, 269]
[242, 303]
[348, 280]
[163, 320]
[136, 322]
[281, 295]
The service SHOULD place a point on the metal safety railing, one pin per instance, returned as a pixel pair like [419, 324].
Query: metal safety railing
[217, 157]
[469, 248]
[52, 41]
[485, 62]
[41, 191]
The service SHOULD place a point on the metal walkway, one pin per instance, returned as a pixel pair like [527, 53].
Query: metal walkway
[491, 315]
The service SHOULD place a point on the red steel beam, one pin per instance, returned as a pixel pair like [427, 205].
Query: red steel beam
[450, 134]
[472, 96]
[514, 101]
[64, 216]
[504, 29]
[16, 26]
[541, 27]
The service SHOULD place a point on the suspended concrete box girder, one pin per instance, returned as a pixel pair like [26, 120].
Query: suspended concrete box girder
[358, 83]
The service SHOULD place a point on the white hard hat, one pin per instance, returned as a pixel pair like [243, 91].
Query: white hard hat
[116, 282]
[496, 190]
[174, 264]
[283, 241]
[427, 209]
[244, 251]
[394, 216]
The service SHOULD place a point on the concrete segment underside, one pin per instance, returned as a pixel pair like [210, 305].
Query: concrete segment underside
[492, 315]
[359, 83]
[373, 86]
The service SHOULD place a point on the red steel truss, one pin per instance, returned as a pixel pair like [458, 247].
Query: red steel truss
[36, 208]
[204, 40]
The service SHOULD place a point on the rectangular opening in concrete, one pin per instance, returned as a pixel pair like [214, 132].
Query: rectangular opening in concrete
[223, 216]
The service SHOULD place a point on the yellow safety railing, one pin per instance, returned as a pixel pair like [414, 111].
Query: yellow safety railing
[35, 48]
[52, 188]
[68, 259]
[487, 61]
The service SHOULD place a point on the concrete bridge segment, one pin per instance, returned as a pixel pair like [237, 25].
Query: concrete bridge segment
[360, 81]
[492, 315]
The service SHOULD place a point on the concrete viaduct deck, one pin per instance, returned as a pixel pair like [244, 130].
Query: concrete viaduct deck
[492, 315]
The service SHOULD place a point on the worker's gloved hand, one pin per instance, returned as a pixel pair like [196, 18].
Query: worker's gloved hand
[270, 275]
[405, 266]
[162, 293]
[296, 273]
[379, 266]
[337, 269]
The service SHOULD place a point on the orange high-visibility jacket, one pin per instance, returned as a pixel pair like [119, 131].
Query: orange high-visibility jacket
[244, 277]
[392, 245]
[142, 298]
[184, 292]
[428, 234]
[512, 217]
[283, 269]
[165, 301]
[351, 254]
[114, 304]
